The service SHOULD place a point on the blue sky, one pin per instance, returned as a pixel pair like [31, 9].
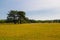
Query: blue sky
[35, 9]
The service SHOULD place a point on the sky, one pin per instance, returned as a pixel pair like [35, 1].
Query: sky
[35, 9]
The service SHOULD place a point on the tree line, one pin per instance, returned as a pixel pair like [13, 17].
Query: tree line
[20, 17]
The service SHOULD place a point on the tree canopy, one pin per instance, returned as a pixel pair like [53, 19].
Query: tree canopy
[17, 17]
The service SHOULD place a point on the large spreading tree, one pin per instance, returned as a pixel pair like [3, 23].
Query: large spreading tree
[17, 17]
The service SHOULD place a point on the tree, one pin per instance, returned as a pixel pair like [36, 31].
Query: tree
[16, 16]
[21, 16]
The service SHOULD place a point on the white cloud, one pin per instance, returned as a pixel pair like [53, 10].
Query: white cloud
[30, 5]
[45, 17]
[40, 4]
[49, 14]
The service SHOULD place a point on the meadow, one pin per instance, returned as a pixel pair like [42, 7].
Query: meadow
[33, 31]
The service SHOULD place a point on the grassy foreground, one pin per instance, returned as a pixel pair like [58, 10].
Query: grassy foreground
[37, 31]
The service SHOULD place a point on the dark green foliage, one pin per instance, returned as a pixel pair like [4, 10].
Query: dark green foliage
[33, 21]
[3, 21]
[13, 15]
[30, 21]
[45, 21]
